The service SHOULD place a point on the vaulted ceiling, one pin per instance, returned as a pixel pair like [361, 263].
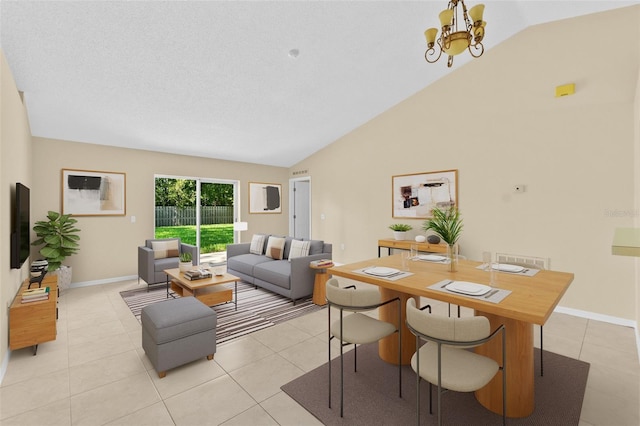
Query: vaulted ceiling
[219, 79]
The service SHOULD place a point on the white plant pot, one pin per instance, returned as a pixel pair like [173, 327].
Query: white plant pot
[64, 277]
[185, 266]
[399, 235]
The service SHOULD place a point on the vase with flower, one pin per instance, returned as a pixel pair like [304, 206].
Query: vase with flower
[447, 224]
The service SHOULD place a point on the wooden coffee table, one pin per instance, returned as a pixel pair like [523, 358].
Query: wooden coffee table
[207, 290]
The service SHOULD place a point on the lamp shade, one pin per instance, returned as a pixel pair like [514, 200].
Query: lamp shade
[446, 17]
[240, 226]
[476, 12]
[430, 35]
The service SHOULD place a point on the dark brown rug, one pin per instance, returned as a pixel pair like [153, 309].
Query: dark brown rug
[371, 394]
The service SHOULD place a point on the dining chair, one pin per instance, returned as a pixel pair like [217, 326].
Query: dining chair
[358, 328]
[445, 359]
[533, 263]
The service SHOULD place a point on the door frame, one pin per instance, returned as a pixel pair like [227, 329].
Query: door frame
[292, 201]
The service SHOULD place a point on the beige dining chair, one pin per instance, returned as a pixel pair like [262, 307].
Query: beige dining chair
[445, 361]
[533, 263]
[358, 328]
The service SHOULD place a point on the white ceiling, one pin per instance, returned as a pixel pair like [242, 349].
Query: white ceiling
[215, 79]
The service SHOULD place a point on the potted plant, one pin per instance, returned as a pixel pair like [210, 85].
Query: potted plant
[186, 261]
[400, 230]
[59, 238]
[447, 224]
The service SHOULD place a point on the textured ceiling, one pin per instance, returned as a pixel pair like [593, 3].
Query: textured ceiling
[215, 78]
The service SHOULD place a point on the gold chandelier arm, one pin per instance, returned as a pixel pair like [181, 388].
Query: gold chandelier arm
[431, 53]
[476, 49]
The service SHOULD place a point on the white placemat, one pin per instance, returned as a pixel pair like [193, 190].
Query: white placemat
[400, 274]
[527, 272]
[494, 296]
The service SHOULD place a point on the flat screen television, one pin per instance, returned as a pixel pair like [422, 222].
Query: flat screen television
[20, 227]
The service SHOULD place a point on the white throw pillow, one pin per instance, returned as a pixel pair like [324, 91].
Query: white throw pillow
[299, 249]
[275, 248]
[164, 249]
[257, 244]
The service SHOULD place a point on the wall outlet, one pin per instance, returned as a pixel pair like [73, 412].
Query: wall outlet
[518, 188]
[341, 246]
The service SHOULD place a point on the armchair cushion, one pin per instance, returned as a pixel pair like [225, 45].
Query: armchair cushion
[164, 249]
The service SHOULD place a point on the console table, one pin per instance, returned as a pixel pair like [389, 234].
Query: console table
[406, 245]
[34, 322]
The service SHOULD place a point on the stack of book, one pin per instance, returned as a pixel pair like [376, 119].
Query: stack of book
[197, 274]
[35, 294]
[322, 263]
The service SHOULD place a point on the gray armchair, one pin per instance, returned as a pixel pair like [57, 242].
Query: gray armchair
[151, 266]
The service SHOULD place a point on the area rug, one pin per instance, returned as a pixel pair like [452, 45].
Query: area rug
[371, 394]
[257, 309]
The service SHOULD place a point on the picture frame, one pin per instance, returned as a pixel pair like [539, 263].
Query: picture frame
[414, 196]
[93, 193]
[265, 198]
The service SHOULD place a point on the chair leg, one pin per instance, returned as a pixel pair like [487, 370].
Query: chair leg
[418, 383]
[329, 350]
[541, 353]
[355, 358]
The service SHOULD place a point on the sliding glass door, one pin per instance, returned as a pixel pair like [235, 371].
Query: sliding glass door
[199, 211]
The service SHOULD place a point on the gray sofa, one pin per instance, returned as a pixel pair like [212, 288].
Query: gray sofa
[151, 270]
[290, 278]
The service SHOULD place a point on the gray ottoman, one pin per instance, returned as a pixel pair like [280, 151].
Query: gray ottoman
[178, 331]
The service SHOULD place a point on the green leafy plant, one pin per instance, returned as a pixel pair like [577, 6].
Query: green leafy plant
[59, 236]
[446, 223]
[185, 257]
[400, 227]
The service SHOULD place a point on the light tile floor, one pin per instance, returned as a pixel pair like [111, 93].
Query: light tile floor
[96, 373]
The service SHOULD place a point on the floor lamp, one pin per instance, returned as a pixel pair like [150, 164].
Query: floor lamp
[240, 226]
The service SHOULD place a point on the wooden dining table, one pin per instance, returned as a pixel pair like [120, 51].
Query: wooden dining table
[531, 300]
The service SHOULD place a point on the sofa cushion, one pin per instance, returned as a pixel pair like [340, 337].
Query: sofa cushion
[299, 249]
[275, 247]
[244, 263]
[276, 272]
[317, 247]
[164, 249]
[287, 247]
[257, 244]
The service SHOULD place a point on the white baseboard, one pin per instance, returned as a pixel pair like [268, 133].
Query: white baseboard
[604, 318]
[105, 281]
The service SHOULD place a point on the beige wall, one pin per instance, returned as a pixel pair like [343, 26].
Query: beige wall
[497, 121]
[108, 244]
[15, 166]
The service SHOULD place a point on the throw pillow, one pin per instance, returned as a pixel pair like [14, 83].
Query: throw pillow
[257, 244]
[163, 249]
[299, 249]
[275, 248]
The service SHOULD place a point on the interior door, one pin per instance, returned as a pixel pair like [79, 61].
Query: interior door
[300, 219]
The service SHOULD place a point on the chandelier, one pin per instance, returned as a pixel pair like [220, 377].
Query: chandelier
[452, 40]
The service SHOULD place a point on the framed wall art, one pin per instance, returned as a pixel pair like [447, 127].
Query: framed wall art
[93, 193]
[414, 196]
[265, 197]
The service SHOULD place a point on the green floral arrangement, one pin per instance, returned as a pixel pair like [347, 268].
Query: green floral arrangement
[446, 223]
[400, 227]
[185, 257]
[59, 236]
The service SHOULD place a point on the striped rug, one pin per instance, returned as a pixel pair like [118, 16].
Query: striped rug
[257, 309]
